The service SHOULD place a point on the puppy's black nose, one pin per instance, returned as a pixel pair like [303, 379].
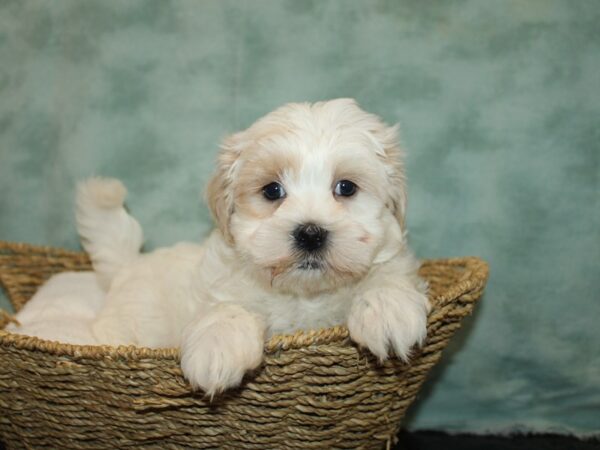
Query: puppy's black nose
[310, 237]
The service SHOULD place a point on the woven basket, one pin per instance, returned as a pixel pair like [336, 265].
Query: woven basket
[314, 390]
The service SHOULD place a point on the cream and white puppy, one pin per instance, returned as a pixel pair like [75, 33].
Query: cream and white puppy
[309, 203]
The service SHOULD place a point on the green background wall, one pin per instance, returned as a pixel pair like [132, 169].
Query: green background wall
[499, 103]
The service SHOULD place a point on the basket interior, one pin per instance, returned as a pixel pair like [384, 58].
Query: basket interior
[454, 284]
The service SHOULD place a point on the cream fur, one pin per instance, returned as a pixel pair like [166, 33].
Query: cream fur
[219, 301]
[63, 309]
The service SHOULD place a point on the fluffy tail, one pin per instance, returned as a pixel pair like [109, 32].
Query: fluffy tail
[108, 233]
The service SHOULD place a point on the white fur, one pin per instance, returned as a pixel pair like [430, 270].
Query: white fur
[221, 343]
[219, 301]
[109, 235]
[62, 309]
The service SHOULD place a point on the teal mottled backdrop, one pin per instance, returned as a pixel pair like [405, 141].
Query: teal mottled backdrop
[499, 103]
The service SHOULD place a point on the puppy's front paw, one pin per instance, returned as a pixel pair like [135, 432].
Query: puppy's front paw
[219, 348]
[389, 319]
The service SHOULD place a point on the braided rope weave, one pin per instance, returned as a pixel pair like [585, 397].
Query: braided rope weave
[314, 390]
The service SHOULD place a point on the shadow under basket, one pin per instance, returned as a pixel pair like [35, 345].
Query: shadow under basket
[315, 389]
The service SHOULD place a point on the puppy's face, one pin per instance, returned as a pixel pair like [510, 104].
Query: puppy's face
[311, 195]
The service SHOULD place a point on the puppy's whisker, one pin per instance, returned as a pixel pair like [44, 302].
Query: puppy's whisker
[280, 267]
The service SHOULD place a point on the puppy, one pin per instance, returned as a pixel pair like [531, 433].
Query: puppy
[310, 204]
[63, 309]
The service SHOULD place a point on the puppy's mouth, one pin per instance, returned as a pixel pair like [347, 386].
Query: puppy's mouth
[306, 265]
[310, 265]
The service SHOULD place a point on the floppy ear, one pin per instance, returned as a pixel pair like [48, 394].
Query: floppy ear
[219, 191]
[392, 156]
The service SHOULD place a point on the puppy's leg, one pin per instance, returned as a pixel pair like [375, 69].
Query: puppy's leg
[136, 313]
[220, 346]
[389, 312]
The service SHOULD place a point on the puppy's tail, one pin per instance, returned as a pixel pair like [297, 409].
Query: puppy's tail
[108, 233]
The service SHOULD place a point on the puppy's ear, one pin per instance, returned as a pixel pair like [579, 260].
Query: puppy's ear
[392, 156]
[219, 191]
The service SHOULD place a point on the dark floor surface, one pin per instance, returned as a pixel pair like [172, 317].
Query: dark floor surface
[432, 440]
[439, 441]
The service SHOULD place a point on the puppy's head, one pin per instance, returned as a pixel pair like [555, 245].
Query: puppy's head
[311, 195]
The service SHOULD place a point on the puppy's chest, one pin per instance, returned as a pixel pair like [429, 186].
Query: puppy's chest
[286, 314]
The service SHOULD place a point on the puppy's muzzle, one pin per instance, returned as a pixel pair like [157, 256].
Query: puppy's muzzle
[310, 237]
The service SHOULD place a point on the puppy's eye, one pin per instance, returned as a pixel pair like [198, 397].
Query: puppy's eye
[273, 191]
[345, 188]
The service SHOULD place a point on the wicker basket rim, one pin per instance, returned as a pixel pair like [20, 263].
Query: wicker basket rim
[477, 268]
